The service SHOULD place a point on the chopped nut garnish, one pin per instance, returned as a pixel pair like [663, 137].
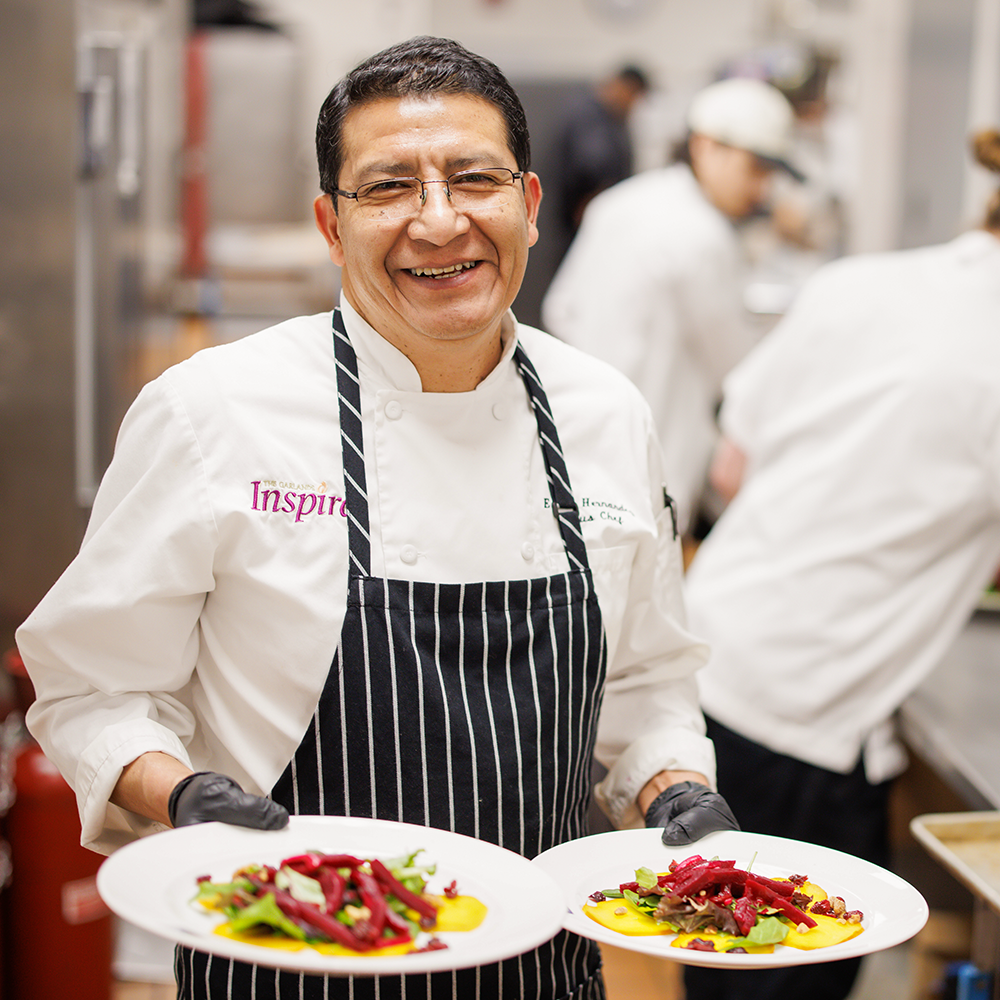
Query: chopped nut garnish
[802, 928]
[839, 906]
[619, 910]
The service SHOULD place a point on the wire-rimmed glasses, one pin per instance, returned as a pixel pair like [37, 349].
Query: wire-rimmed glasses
[467, 190]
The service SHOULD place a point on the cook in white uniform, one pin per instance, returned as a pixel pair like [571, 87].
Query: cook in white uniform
[866, 430]
[653, 281]
[465, 516]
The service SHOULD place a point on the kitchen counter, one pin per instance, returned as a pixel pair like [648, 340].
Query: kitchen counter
[953, 722]
[953, 719]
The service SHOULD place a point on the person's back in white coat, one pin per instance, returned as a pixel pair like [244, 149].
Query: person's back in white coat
[653, 281]
[863, 456]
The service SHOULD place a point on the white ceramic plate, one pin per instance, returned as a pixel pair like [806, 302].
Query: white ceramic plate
[152, 881]
[893, 910]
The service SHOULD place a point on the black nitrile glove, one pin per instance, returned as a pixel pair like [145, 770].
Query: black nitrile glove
[206, 797]
[688, 811]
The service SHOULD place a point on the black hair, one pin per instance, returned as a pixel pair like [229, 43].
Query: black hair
[986, 149]
[422, 65]
[634, 76]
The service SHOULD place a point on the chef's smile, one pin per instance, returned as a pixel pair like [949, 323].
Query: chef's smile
[446, 267]
[451, 271]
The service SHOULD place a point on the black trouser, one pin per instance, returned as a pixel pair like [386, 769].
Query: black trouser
[781, 796]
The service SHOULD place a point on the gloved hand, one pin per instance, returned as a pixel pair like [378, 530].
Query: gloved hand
[688, 811]
[207, 796]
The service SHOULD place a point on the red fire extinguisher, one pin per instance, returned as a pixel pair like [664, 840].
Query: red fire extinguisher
[58, 935]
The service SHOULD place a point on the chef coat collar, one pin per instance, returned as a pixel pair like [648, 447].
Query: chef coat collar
[376, 353]
[694, 189]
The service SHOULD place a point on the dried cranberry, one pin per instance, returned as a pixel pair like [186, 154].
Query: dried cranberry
[435, 944]
[700, 944]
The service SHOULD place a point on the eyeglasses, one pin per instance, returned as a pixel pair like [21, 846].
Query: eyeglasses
[467, 190]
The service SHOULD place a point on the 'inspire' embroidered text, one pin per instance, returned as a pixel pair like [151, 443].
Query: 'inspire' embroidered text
[299, 504]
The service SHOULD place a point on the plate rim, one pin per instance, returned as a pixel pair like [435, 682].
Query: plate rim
[654, 945]
[546, 920]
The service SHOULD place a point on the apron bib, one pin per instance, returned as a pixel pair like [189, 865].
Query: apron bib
[469, 707]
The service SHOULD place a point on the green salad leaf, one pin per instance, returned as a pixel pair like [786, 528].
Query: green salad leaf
[646, 877]
[265, 910]
[767, 930]
[644, 904]
[302, 887]
[411, 874]
[220, 895]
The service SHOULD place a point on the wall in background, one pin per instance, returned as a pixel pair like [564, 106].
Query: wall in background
[679, 43]
[904, 64]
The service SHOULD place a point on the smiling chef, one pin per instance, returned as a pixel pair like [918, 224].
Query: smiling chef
[408, 560]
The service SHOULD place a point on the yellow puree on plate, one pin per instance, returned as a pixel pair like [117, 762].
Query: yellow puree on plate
[463, 913]
[828, 930]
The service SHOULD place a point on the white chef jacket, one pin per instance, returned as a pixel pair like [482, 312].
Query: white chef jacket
[201, 616]
[653, 284]
[868, 520]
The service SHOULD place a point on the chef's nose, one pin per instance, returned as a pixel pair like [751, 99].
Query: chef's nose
[437, 220]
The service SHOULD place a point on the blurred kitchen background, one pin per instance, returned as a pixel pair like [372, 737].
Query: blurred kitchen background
[157, 176]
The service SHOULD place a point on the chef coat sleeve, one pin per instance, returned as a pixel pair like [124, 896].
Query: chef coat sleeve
[111, 648]
[651, 720]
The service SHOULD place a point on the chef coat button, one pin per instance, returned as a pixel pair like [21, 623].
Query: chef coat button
[527, 551]
[394, 409]
[408, 554]
[500, 411]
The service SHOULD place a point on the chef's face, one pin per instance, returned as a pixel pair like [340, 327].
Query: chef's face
[384, 260]
[734, 180]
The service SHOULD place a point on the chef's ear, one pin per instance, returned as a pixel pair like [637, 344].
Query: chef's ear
[532, 199]
[328, 223]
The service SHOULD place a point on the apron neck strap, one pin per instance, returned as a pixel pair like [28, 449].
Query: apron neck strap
[565, 508]
[352, 445]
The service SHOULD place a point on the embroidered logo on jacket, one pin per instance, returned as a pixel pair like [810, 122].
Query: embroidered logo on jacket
[292, 498]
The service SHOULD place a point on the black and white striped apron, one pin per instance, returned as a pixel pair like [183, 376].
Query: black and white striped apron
[469, 707]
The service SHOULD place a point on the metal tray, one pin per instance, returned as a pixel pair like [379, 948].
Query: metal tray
[968, 845]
